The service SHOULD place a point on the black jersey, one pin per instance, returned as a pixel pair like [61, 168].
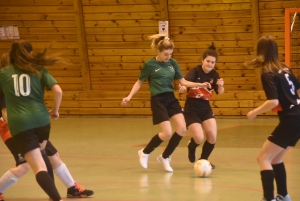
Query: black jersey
[283, 86]
[198, 75]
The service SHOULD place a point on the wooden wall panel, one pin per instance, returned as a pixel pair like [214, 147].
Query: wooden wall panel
[42, 22]
[195, 24]
[115, 34]
[272, 23]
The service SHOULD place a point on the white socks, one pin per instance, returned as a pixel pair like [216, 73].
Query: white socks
[7, 180]
[64, 175]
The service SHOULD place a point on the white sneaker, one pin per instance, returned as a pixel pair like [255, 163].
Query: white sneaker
[281, 198]
[165, 163]
[143, 158]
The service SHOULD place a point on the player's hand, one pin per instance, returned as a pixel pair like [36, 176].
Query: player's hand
[251, 115]
[205, 85]
[182, 89]
[125, 100]
[53, 114]
[220, 82]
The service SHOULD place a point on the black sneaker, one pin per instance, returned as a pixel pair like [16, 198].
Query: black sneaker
[77, 191]
[191, 153]
[212, 166]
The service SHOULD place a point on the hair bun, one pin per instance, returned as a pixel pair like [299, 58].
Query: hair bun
[212, 46]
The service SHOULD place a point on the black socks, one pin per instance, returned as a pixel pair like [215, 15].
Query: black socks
[173, 143]
[206, 150]
[47, 184]
[48, 164]
[267, 178]
[280, 178]
[154, 142]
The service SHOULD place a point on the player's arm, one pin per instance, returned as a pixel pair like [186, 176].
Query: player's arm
[136, 87]
[189, 84]
[57, 100]
[265, 107]
[4, 114]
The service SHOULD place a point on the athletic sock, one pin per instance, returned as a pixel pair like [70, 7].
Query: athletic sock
[280, 178]
[154, 142]
[267, 178]
[48, 164]
[64, 175]
[206, 150]
[173, 143]
[193, 144]
[47, 184]
[7, 180]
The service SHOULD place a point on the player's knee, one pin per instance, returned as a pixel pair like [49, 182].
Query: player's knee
[23, 168]
[181, 131]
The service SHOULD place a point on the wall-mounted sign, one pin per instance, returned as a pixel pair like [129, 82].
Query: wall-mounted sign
[163, 27]
[9, 32]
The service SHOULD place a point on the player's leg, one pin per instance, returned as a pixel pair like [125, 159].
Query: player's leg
[210, 129]
[62, 172]
[195, 129]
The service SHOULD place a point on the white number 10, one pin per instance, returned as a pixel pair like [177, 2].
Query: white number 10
[19, 84]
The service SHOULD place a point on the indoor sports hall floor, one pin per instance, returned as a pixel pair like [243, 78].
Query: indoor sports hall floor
[101, 154]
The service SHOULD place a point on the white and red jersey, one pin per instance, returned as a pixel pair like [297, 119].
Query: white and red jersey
[197, 92]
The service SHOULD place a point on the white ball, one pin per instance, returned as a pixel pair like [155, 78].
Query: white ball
[202, 168]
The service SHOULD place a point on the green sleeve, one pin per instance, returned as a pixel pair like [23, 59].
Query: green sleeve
[145, 73]
[178, 73]
[47, 79]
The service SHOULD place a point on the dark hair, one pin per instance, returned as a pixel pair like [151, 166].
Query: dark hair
[210, 51]
[4, 60]
[161, 42]
[266, 54]
[22, 57]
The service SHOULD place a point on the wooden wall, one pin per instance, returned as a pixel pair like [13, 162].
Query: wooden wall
[106, 42]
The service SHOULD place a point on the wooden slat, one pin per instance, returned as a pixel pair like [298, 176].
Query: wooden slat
[118, 37]
[279, 4]
[271, 13]
[122, 16]
[60, 30]
[205, 2]
[121, 8]
[48, 16]
[209, 14]
[121, 23]
[212, 37]
[40, 45]
[119, 2]
[210, 7]
[35, 3]
[38, 24]
[219, 29]
[125, 30]
[65, 73]
[36, 9]
[211, 22]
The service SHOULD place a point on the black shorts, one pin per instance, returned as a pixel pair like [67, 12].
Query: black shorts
[164, 106]
[287, 133]
[14, 151]
[50, 149]
[197, 111]
[30, 139]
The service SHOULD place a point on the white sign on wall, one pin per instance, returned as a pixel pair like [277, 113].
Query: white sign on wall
[163, 27]
[9, 32]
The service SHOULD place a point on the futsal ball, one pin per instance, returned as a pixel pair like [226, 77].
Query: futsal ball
[202, 168]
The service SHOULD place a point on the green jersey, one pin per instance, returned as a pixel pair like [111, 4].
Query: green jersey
[24, 97]
[160, 75]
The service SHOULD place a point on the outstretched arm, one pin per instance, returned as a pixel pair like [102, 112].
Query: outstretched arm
[266, 106]
[137, 85]
[189, 84]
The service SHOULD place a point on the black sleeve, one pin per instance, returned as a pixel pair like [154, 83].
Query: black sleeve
[214, 85]
[191, 75]
[269, 85]
[294, 80]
